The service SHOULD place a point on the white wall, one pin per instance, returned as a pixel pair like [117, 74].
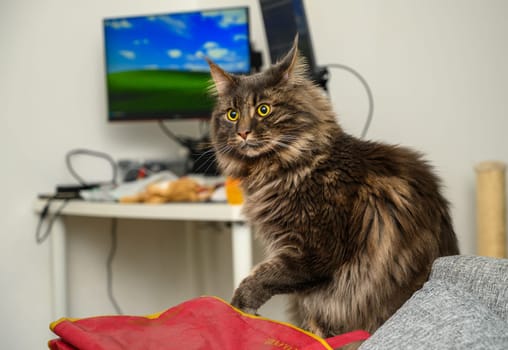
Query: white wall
[439, 81]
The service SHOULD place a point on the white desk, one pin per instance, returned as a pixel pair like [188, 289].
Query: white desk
[241, 233]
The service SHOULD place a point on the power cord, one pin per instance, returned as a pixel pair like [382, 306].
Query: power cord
[40, 238]
[171, 135]
[109, 265]
[370, 113]
[111, 255]
[88, 152]
[201, 155]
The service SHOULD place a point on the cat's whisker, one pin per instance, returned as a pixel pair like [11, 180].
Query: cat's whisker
[209, 163]
[203, 154]
[225, 149]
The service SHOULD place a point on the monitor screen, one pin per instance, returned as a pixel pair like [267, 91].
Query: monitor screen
[155, 64]
[282, 20]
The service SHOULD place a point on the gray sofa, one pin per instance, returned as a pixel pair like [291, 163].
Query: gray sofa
[464, 305]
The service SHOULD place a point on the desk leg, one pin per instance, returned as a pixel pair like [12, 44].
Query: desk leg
[59, 270]
[242, 251]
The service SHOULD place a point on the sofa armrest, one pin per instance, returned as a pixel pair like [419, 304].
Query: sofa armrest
[486, 278]
[462, 306]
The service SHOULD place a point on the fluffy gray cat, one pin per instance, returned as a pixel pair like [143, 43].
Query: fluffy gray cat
[351, 226]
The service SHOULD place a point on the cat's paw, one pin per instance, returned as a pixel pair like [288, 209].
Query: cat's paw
[246, 310]
[250, 311]
[250, 295]
[241, 302]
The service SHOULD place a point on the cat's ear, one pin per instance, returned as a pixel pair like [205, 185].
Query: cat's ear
[221, 79]
[289, 65]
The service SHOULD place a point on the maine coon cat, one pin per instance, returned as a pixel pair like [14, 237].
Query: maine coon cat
[351, 226]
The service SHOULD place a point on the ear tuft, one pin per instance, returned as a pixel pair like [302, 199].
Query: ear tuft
[221, 79]
[292, 66]
[290, 61]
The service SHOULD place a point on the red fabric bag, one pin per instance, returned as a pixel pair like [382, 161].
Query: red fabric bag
[198, 324]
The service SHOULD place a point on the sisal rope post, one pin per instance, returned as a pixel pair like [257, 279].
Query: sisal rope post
[491, 209]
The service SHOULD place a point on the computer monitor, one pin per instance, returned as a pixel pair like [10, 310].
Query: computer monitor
[155, 66]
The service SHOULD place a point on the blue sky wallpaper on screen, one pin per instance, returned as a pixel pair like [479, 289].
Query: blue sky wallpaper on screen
[178, 41]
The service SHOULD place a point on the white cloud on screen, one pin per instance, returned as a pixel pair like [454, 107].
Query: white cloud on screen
[227, 18]
[175, 25]
[138, 42]
[210, 45]
[239, 37]
[217, 53]
[128, 54]
[119, 24]
[174, 53]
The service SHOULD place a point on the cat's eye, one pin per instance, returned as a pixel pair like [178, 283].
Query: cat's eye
[232, 115]
[263, 110]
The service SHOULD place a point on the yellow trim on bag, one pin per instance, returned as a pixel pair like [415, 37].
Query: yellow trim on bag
[53, 324]
[312, 335]
[158, 314]
[154, 316]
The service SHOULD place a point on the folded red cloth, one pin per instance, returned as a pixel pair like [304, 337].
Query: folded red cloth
[202, 323]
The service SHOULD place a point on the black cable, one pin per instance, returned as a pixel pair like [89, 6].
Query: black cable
[39, 238]
[42, 216]
[171, 135]
[109, 266]
[45, 211]
[200, 151]
[367, 89]
[81, 151]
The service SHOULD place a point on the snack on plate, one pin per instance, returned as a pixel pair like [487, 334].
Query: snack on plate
[183, 189]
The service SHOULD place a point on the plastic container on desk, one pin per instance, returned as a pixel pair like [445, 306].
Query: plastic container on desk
[234, 193]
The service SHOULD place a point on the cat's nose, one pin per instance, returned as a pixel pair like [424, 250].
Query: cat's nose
[244, 134]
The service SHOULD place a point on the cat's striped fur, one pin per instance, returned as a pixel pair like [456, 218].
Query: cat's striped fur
[351, 226]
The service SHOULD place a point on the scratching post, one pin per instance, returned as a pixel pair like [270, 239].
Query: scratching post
[491, 209]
